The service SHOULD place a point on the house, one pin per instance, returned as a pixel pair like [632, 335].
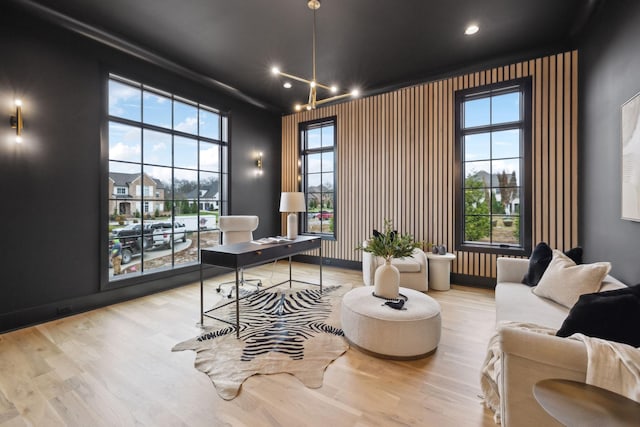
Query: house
[128, 192]
[207, 197]
[395, 156]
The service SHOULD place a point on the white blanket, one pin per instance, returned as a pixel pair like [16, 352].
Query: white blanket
[490, 373]
[612, 366]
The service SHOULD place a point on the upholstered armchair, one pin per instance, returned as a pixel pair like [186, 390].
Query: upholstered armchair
[414, 270]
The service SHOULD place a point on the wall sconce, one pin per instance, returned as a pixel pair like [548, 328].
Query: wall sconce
[259, 164]
[16, 121]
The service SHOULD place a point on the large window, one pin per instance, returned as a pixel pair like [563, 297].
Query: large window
[167, 177]
[317, 152]
[493, 134]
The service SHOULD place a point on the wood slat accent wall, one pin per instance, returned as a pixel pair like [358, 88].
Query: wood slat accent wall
[395, 159]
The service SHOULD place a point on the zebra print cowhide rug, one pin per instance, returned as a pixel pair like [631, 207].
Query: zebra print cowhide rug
[296, 331]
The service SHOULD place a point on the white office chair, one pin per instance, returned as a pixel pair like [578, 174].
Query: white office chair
[238, 229]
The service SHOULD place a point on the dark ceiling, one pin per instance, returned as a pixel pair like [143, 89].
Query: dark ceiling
[370, 44]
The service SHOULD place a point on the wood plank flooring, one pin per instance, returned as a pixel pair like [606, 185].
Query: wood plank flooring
[114, 367]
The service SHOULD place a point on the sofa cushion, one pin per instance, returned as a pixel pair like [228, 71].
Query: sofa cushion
[540, 259]
[516, 303]
[564, 281]
[611, 315]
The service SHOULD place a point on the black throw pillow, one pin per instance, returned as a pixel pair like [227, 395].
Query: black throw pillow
[610, 315]
[540, 259]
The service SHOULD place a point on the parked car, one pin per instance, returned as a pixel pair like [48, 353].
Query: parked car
[137, 231]
[162, 233]
[324, 215]
[133, 238]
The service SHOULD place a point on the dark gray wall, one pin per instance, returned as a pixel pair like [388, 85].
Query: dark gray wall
[609, 76]
[52, 186]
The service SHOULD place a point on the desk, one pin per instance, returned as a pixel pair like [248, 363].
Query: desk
[240, 255]
[577, 404]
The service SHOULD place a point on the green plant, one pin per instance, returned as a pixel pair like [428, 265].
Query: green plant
[477, 222]
[390, 244]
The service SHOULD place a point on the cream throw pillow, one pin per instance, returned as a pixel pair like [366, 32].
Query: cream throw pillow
[564, 281]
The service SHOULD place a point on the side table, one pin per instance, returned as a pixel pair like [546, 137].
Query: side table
[577, 404]
[440, 270]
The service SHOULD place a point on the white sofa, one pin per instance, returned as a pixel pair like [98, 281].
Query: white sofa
[528, 357]
[414, 270]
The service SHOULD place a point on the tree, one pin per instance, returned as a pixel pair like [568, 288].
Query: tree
[477, 219]
[508, 188]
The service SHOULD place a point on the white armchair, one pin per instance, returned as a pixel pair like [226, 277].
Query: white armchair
[414, 270]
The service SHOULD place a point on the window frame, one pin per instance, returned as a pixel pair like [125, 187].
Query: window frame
[303, 127]
[524, 86]
[222, 143]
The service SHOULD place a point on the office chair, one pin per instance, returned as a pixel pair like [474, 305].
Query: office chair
[238, 229]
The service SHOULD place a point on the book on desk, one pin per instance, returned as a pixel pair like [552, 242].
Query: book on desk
[269, 240]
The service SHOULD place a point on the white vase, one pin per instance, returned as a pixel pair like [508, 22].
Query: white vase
[386, 281]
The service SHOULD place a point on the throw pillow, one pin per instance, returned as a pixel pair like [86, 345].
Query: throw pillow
[610, 315]
[564, 281]
[540, 259]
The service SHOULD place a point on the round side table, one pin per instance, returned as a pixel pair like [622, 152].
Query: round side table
[577, 404]
[440, 270]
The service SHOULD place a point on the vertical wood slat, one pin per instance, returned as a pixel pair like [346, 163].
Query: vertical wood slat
[396, 159]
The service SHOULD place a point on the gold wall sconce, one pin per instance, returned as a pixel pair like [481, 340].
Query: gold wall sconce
[16, 121]
[259, 164]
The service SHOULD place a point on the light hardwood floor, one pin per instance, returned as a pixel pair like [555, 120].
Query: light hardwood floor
[114, 367]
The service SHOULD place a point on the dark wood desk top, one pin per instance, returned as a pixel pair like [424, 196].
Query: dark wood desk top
[247, 254]
[578, 404]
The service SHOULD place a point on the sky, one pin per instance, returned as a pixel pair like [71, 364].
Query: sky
[130, 143]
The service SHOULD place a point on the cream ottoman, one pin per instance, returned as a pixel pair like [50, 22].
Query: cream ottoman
[376, 328]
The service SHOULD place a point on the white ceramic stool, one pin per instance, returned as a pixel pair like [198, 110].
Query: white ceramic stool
[385, 332]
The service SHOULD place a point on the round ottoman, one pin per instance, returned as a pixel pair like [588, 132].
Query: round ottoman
[376, 328]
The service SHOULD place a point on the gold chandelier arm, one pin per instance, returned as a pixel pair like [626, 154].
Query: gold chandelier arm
[291, 76]
[333, 98]
[300, 79]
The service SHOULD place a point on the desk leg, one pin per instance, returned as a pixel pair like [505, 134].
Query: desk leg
[201, 297]
[320, 267]
[289, 272]
[237, 303]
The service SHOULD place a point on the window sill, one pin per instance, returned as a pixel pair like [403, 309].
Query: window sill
[494, 249]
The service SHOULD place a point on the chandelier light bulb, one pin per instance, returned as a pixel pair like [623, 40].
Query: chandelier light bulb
[18, 102]
[297, 107]
[308, 107]
[334, 89]
[275, 70]
[18, 140]
[355, 93]
[312, 83]
[471, 29]
[287, 85]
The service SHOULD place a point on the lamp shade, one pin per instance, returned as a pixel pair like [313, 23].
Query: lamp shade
[292, 202]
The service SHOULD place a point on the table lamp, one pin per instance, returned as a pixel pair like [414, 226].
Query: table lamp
[293, 203]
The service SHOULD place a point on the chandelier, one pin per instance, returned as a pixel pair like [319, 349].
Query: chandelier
[313, 100]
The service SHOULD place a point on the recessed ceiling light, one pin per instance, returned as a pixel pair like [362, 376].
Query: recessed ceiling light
[471, 29]
[287, 85]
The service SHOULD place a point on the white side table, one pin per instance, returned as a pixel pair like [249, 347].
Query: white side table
[440, 270]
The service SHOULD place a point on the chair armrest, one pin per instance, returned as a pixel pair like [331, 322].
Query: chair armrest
[511, 269]
[527, 358]
[551, 350]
